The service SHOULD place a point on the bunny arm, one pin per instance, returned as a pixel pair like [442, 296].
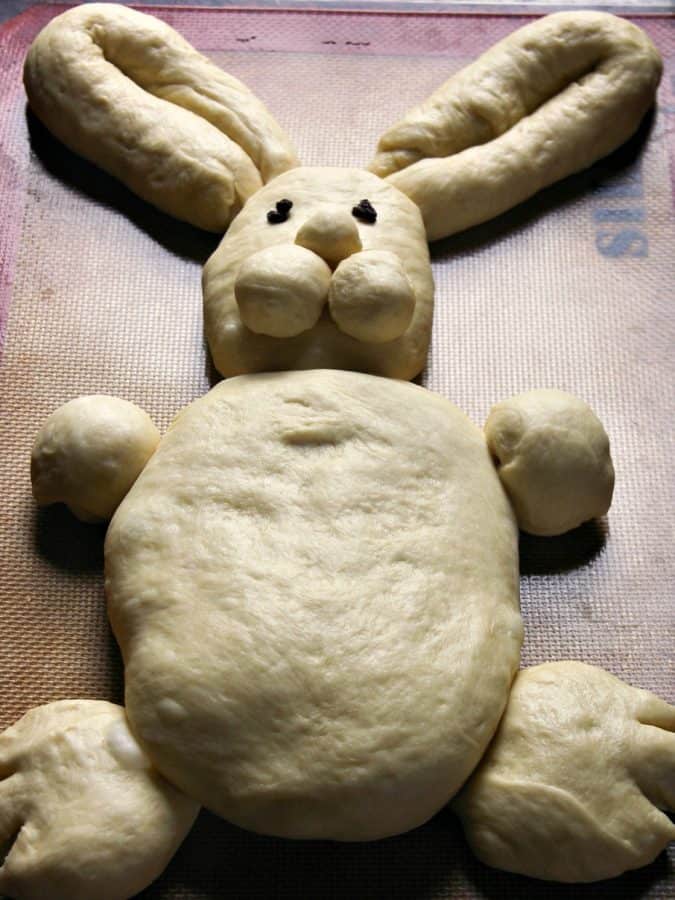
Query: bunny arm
[127, 92]
[553, 460]
[546, 102]
[83, 813]
[88, 454]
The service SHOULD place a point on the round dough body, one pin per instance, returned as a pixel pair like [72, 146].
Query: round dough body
[314, 583]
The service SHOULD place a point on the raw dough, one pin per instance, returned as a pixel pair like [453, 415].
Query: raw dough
[314, 583]
[331, 233]
[553, 459]
[81, 807]
[371, 297]
[548, 100]
[571, 786]
[281, 291]
[398, 229]
[127, 92]
[88, 454]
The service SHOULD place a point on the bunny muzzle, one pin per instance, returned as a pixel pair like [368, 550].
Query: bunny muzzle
[283, 290]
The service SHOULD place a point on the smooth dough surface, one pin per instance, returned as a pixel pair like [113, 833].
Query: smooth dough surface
[314, 583]
[370, 297]
[237, 350]
[281, 291]
[126, 91]
[573, 784]
[553, 459]
[88, 454]
[83, 813]
[546, 101]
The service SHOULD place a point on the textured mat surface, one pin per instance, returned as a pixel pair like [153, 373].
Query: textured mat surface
[575, 289]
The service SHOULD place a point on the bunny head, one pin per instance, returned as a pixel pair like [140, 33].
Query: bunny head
[324, 267]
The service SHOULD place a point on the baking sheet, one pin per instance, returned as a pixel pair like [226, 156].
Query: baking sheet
[574, 289]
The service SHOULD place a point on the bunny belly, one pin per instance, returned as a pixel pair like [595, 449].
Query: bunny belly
[314, 584]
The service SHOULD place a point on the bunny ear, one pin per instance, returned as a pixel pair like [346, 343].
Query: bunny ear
[127, 92]
[545, 102]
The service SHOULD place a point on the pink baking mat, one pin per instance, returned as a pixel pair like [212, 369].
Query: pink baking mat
[575, 289]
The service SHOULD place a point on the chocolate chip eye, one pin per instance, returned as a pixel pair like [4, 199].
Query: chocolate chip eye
[364, 211]
[280, 213]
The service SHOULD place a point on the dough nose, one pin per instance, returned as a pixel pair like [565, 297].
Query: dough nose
[331, 233]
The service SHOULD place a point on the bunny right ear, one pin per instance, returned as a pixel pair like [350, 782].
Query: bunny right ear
[128, 93]
[545, 102]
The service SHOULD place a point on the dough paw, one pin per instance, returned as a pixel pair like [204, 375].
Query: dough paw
[82, 812]
[654, 765]
[569, 790]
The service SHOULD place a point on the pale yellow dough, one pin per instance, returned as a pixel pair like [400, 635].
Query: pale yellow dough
[81, 808]
[572, 786]
[88, 454]
[553, 458]
[237, 349]
[545, 102]
[332, 233]
[371, 297]
[281, 291]
[314, 583]
[127, 92]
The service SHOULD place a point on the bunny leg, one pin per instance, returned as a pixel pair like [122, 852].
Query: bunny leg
[88, 454]
[572, 787]
[84, 814]
[552, 457]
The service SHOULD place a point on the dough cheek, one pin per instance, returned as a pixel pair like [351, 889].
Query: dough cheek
[398, 229]
[315, 587]
[281, 291]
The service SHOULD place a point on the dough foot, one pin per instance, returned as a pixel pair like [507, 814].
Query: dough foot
[571, 786]
[82, 812]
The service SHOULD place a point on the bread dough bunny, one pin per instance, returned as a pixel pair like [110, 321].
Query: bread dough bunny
[313, 576]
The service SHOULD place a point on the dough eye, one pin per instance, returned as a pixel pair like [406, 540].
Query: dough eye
[365, 212]
[280, 212]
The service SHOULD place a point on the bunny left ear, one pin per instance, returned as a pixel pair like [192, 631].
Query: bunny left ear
[127, 92]
[545, 102]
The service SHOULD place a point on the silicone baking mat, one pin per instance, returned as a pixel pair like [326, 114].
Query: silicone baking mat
[100, 293]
